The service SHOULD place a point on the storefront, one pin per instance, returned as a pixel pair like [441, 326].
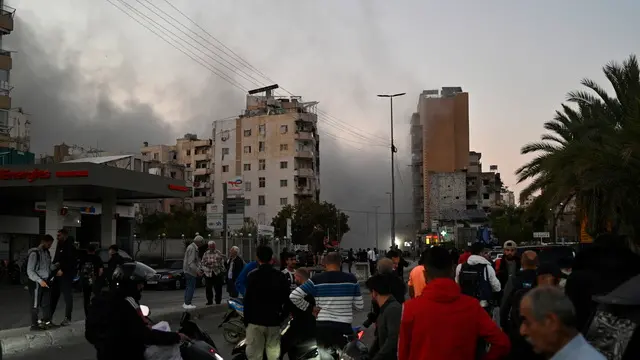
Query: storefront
[63, 191]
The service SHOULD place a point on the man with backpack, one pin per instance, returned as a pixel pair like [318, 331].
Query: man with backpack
[39, 274]
[477, 278]
[91, 269]
[510, 319]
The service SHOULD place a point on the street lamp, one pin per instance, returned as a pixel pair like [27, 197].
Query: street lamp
[393, 177]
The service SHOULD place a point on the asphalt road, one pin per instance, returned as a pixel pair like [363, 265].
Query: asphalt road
[14, 302]
[210, 324]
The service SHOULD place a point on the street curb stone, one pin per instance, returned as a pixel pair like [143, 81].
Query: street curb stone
[22, 341]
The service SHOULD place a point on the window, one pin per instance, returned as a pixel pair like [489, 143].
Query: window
[225, 168]
[284, 147]
[247, 132]
[284, 201]
[283, 164]
[283, 183]
[284, 129]
[247, 186]
[261, 200]
[188, 152]
[155, 156]
[485, 196]
[247, 202]
[261, 146]
[225, 151]
[262, 129]
[262, 182]
[225, 135]
[247, 149]
[247, 167]
[262, 164]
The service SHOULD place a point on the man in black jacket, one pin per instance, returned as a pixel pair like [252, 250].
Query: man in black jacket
[399, 262]
[233, 268]
[398, 290]
[265, 300]
[66, 262]
[385, 346]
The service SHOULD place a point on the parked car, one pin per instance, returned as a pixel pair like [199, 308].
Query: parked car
[171, 276]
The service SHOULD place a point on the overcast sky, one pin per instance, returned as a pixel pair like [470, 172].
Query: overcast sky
[92, 76]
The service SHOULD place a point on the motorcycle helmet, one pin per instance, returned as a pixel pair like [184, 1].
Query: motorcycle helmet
[126, 280]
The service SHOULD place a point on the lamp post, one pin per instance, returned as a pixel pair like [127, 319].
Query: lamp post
[393, 177]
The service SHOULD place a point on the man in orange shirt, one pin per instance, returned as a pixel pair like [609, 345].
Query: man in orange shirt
[418, 277]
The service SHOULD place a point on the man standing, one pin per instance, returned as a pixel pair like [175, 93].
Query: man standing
[373, 259]
[290, 271]
[336, 294]
[399, 263]
[385, 346]
[444, 324]
[191, 268]
[549, 320]
[477, 277]
[509, 265]
[417, 277]
[114, 261]
[234, 267]
[264, 304]
[213, 266]
[91, 269]
[39, 273]
[66, 263]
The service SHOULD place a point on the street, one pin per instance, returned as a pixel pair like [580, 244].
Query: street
[210, 324]
[15, 304]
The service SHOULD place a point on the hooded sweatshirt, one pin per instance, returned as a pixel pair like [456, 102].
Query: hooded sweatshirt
[444, 324]
[490, 274]
[39, 264]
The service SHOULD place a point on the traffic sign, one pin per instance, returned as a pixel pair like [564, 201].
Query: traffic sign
[541, 235]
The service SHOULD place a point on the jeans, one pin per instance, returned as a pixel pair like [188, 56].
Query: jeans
[212, 283]
[87, 291]
[64, 285]
[261, 340]
[331, 334]
[190, 288]
[231, 288]
[40, 300]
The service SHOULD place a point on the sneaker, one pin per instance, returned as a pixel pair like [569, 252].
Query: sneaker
[47, 325]
[65, 322]
[188, 306]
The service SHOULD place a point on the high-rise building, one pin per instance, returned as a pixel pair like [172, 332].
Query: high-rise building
[417, 179]
[272, 149]
[444, 117]
[6, 63]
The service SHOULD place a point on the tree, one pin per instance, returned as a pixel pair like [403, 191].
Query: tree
[592, 154]
[514, 223]
[311, 222]
[175, 224]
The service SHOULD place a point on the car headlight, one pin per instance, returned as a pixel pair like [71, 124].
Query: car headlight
[167, 277]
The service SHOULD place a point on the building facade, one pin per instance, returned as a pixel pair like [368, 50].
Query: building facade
[448, 194]
[417, 177]
[273, 150]
[6, 63]
[508, 197]
[444, 117]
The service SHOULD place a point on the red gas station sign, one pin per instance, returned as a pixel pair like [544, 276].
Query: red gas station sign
[29, 175]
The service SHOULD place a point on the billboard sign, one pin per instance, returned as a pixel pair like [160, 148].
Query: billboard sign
[235, 186]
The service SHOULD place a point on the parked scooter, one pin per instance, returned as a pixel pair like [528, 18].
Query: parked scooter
[201, 346]
[232, 325]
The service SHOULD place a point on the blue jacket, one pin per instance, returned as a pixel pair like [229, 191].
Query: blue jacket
[241, 281]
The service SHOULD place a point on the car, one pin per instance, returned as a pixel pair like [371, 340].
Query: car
[171, 276]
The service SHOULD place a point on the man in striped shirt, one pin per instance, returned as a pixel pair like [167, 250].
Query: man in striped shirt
[336, 294]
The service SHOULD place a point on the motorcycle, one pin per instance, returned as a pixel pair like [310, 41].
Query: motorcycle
[201, 345]
[309, 350]
[232, 325]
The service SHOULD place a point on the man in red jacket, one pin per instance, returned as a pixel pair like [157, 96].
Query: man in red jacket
[444, 324]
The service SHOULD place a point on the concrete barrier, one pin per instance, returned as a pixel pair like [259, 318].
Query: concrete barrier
[22, 341]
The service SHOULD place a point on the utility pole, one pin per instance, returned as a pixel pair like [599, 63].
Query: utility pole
[393, 176]
[367, 231]
[225, 212]
[376, 224]
[338, 227]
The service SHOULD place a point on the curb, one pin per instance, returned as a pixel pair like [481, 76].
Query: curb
[21, 341]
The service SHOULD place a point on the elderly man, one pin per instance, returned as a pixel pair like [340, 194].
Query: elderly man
[213, 267]
[233, 268]
[549, 324]
[398, 289]
[191, 268]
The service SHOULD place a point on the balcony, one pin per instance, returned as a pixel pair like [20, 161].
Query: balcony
[304, 135]
[304, 191]
[306, 154]
[6, 63]
[201, 199]
[6, 19]
[201, 171]
[201, 157]
[304, 172]
[5, 102]
[202, 185]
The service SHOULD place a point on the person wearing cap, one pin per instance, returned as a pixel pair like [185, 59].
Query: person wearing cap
[509, 265]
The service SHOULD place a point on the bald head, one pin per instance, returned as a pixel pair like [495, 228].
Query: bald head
[529, 260]
[385, 265]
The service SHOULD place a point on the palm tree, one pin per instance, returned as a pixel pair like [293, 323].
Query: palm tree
[592, 152]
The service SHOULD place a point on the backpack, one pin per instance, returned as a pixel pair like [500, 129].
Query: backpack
[473, 280]
[96, 324]
[514, 313]
[25, 263]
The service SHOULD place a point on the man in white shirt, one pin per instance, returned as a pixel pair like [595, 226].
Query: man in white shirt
[372, 256]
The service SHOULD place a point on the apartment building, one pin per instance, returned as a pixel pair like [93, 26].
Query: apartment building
[483, 188]
[272, 149]
[508, 197]
[6, 63]
[195, 155]
[444, 117]
[417, 178]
